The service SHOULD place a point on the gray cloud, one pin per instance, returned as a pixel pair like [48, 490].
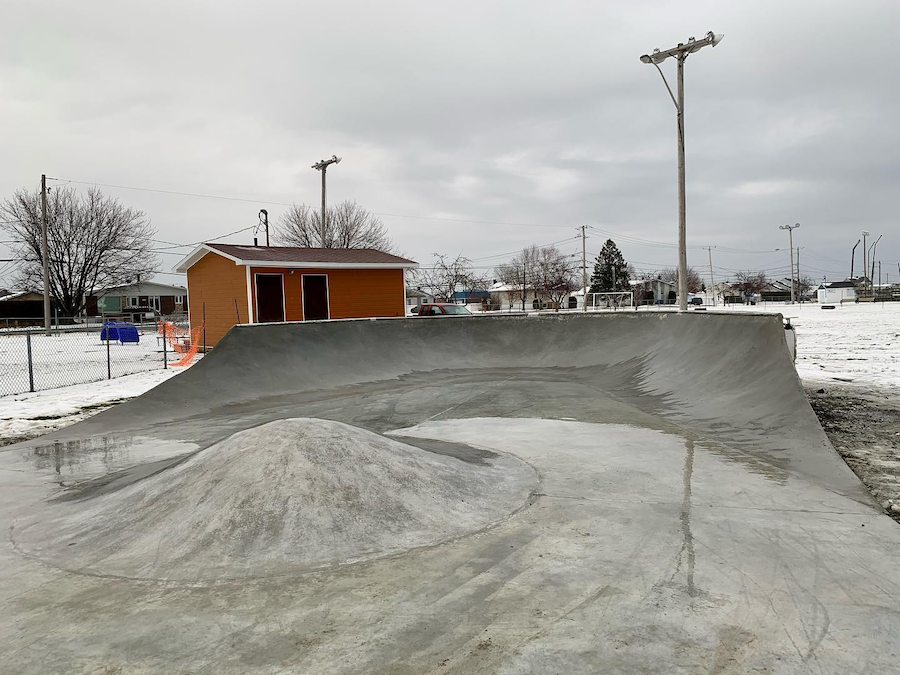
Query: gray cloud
[520, 112]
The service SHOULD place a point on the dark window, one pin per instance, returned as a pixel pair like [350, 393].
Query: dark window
[315, 297]
[269, 298]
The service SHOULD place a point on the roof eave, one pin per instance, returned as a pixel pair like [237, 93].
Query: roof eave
[201, 250]
[327, 265]
[191, 258]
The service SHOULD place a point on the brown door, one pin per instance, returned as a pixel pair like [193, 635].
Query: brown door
[315, 297]
[269, 298]
[167, 304]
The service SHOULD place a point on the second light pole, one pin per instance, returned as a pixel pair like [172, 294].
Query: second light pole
[790, 229]
[680, 53]
[322, 165]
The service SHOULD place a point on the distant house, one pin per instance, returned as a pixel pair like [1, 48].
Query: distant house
[471, 297]
[655, 291]
[836, 292]
[416, 297]
[24, 308]
[231, 284]
[507, 296]
[779, 290]
[134, 301]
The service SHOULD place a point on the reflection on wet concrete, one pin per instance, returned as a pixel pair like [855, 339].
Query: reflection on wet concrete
[460, 451]
[74, 461]
[687, 547]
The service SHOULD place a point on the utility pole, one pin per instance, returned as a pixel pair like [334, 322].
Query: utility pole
[712, 281]
[880, 289]
[865, 268]
[322, 165]
[790, 229]
[584, 268]
[852, 258]
[524, 284]
[680, 54]
[872, 251]
[45, 254]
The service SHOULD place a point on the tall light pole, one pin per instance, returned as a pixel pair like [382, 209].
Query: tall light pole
[322, 165]
[45, 254]
[872, 249]
[681, 53]
[865, 234]
[790, 229]
[583, 229]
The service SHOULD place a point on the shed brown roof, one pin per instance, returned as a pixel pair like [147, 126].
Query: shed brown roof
[294, 254]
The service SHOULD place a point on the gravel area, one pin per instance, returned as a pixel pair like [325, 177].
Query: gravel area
[863, 424]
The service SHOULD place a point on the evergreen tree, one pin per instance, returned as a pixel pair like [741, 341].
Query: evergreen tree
[610, 271]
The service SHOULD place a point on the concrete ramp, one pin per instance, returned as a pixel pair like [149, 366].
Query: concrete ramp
[620, 492]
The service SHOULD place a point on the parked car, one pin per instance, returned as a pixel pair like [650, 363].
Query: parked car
[441, 309]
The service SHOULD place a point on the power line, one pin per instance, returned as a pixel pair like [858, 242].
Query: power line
[271, 201]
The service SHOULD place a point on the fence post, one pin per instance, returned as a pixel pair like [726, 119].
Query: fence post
[165, 339]
[30, 363]
[108, 364]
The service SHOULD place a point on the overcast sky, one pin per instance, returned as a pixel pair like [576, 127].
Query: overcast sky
[532, 117]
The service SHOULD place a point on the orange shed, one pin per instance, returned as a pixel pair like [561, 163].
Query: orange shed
[230, 284]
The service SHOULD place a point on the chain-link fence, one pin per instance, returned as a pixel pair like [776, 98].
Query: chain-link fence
[30, 360]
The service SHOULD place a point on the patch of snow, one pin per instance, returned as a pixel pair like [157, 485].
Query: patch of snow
[29, 415]
[856, 343]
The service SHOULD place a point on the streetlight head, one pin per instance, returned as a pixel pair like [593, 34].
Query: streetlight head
[714, 38]
[336, 159]
[646, 59]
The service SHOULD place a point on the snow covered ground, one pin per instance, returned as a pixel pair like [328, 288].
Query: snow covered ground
[859, 344]
[72, 358]
[28, 415]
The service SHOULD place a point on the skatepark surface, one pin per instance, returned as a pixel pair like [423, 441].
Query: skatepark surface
[611, 493]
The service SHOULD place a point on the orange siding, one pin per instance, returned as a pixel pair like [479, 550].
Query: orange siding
[352, 293]
[218, 282]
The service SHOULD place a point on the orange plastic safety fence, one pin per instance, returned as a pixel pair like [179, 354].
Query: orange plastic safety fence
[183, 341]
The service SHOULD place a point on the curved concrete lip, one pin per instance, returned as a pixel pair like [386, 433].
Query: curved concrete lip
[691, 515]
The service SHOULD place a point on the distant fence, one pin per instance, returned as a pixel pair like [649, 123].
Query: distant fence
[76, 354]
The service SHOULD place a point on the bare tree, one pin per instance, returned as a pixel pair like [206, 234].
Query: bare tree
[750, 283]
[805, 285]
[546, 272]
[555, 275]
[519, 274]
[448, 275]
[347, 225]
[93, 242]
[695, 283]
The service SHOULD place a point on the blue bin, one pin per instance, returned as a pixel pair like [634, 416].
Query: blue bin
[128, 333]
[110, 331]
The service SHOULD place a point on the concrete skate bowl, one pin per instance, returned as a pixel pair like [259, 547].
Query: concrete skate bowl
[724, 378]
[625, 492]
[287, 497]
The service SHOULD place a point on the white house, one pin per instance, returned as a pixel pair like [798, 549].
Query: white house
[836, 292]
[138, 299]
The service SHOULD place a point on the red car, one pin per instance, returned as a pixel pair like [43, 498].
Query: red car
[440, 309]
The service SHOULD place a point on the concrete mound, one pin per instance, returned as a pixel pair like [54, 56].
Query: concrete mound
[288, 496]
